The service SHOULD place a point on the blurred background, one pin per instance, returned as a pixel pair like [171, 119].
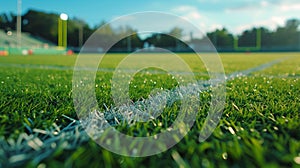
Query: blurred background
[37, 27]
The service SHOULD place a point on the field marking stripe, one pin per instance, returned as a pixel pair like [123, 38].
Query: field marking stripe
[58, 67]
[254, 69]
[167, 96]
[134, 112]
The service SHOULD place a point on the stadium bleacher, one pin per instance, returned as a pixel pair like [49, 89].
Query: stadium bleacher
[29, 44]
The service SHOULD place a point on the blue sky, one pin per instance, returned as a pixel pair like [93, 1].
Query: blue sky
[235, 15]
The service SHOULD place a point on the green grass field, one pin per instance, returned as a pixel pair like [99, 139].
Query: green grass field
[259, 126]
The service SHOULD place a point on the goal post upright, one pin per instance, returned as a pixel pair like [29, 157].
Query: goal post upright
[258, 38]
[257, 46]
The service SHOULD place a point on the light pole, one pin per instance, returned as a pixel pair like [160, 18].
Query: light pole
[129, 44]
[62, 30]
[80, 36]
[19, 21]
[80, 24]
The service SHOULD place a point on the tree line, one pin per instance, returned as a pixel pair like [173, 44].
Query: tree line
[45, 25]
[285, 37]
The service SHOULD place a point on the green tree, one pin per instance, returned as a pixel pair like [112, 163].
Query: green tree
[45, 25]
[176, 32]
[41, 24]
[170, 40]
[248, 38]
[221, 39]
[7, 21]
[78, 32]
[128, 43]
[288, 35]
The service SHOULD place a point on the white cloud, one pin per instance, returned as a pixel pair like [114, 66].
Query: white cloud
[215, 26]
[193, 15]
[266, 13]
[245, 7]
[190, 12]
[290, 7]
[239, 16]
[264, 3]
[266, 6]
[271, 23]
[184, 8]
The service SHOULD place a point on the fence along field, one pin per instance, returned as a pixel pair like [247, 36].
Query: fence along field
[259, 126]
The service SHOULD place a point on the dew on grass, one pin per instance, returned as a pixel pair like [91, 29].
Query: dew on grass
[205, 163]
[108, 142]
[134, 151]
[231, 130]
[297, 160]
[17, 158]
[42, 165]
[225, 155]
[169, 129]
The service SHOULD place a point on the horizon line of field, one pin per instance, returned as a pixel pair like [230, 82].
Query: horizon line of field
[130, 70]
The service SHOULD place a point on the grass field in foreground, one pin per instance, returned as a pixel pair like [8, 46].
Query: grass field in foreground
[259, 126]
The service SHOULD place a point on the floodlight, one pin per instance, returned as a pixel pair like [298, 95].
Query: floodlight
[63, 16]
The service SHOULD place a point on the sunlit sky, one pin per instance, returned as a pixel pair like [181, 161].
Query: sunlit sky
[235, 15]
